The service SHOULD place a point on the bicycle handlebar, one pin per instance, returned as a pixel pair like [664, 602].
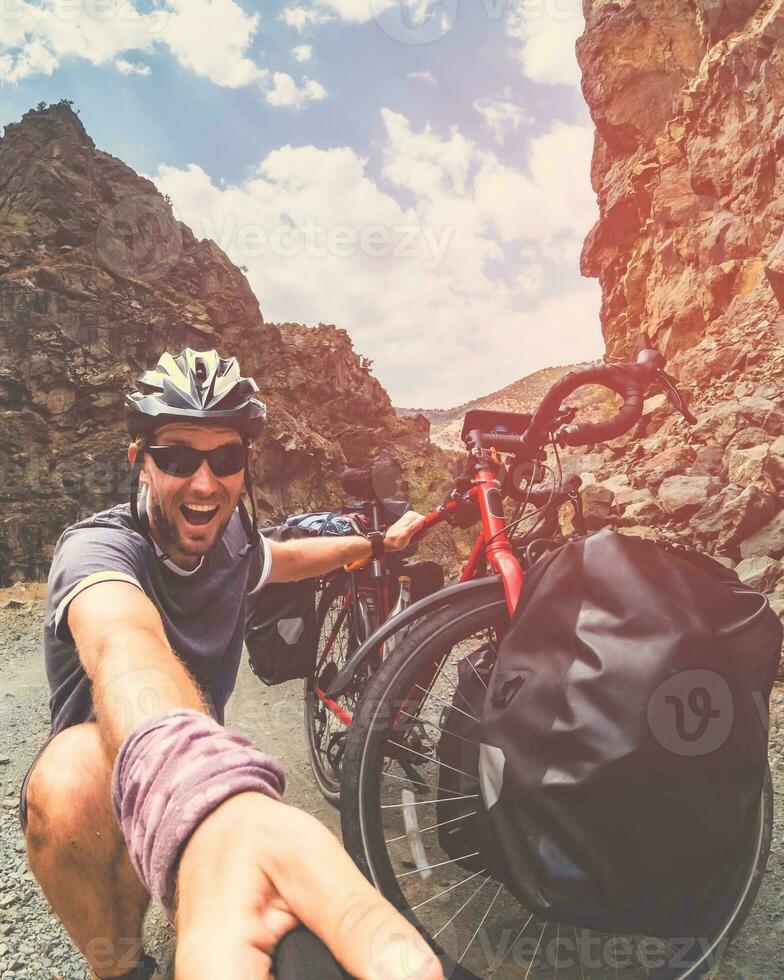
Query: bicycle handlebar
[302, 956]
[628, 380]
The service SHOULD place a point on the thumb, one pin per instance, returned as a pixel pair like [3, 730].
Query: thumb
[328, 894]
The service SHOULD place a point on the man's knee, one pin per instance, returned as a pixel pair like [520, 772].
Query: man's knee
[69, 789]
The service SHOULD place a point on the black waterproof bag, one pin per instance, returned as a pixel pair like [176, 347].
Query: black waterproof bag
[280, 631]
[624, 737]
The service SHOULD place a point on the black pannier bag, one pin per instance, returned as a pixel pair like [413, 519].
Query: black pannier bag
[426, 577]
[624, 737]
[280, 630]
[458, 760]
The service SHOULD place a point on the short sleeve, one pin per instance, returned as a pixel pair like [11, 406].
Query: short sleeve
[85, 557]
[260, 567]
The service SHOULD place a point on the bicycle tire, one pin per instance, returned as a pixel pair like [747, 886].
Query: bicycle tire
[314, 712]
[361, 818]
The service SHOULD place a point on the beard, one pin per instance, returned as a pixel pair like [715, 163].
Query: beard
[169, 534]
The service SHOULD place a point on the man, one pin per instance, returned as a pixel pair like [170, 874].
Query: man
[140, 790]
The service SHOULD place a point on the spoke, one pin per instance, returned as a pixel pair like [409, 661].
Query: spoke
[456, 689]
[481, 923]
[435, 826]
[557, 940]
[408, 779]
[580, 953]
[641, 957]
[479, 676]
[438, 728]
[447, 703]
[541, 937]
[451, 888]
[444, 799]
[615, 956]
[441, 864]
[473, 896]
[512, 945]
[429, 758]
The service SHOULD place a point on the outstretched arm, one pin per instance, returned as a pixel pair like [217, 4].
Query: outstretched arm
[311, 557]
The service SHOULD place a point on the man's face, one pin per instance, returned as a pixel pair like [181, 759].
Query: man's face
[184, 534]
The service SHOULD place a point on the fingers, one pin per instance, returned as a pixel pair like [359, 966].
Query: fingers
[403, 530]
[324, 889]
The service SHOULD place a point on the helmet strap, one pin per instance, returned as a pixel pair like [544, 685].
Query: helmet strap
[140, 519]
[251, 526]
[139, 513]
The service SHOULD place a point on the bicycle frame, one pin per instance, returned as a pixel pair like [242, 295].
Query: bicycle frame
[492, 545]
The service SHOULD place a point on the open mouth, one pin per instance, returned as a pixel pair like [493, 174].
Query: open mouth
[198, 515]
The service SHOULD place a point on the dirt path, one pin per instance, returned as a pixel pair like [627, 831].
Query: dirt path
[33, 944]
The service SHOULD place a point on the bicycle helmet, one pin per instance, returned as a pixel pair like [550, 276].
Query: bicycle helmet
[201, 387]
[195, 386]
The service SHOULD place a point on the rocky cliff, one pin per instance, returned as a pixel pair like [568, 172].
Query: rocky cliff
[688, 101]
[96, 279]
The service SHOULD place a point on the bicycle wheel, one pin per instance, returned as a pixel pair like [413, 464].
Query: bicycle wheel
[474, 924]
[324, 730]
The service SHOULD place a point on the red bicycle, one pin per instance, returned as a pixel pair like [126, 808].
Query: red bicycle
[392, 801]
[352, 604]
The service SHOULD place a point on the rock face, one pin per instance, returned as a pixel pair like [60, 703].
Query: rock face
[688, 166]
[97, 278]
[687, 97]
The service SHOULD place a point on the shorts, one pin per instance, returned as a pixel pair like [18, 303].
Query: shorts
[23, 790]
[214, 713]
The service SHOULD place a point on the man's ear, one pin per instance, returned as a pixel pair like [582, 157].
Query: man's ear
[133, 452]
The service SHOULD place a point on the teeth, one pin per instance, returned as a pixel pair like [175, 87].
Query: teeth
[199, 507]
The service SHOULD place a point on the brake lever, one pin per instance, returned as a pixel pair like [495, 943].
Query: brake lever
[674, 396]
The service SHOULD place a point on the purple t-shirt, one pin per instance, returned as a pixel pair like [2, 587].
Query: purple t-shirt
[203, 611]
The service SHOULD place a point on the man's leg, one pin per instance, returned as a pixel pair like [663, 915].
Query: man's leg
[76, 851]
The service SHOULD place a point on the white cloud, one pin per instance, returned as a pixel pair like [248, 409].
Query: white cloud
[453, 279]
[301, 18]
[501, 116]
[210, 37]
[131, 67]
[422, 76]
[285, 91]
[545, 32]
[303, 52]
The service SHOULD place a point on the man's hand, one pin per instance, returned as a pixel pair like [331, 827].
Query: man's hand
[253, 869]
[399, 534]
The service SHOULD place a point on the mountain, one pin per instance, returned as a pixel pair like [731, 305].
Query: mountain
[97, 279]
[520, 396]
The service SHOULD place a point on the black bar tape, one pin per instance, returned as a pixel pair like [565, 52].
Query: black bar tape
[625, 379]
[302, 956]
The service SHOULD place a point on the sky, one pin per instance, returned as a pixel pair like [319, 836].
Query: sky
[415, 171]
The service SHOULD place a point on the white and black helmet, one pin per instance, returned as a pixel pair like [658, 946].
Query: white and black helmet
[195, 386]
[201, 387]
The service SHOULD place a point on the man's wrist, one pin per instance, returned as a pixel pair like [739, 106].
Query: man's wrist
[376, 539]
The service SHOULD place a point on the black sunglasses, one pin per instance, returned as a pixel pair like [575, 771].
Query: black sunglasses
[185, 460]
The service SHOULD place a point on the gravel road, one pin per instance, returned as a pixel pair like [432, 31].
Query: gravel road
[34, 945]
